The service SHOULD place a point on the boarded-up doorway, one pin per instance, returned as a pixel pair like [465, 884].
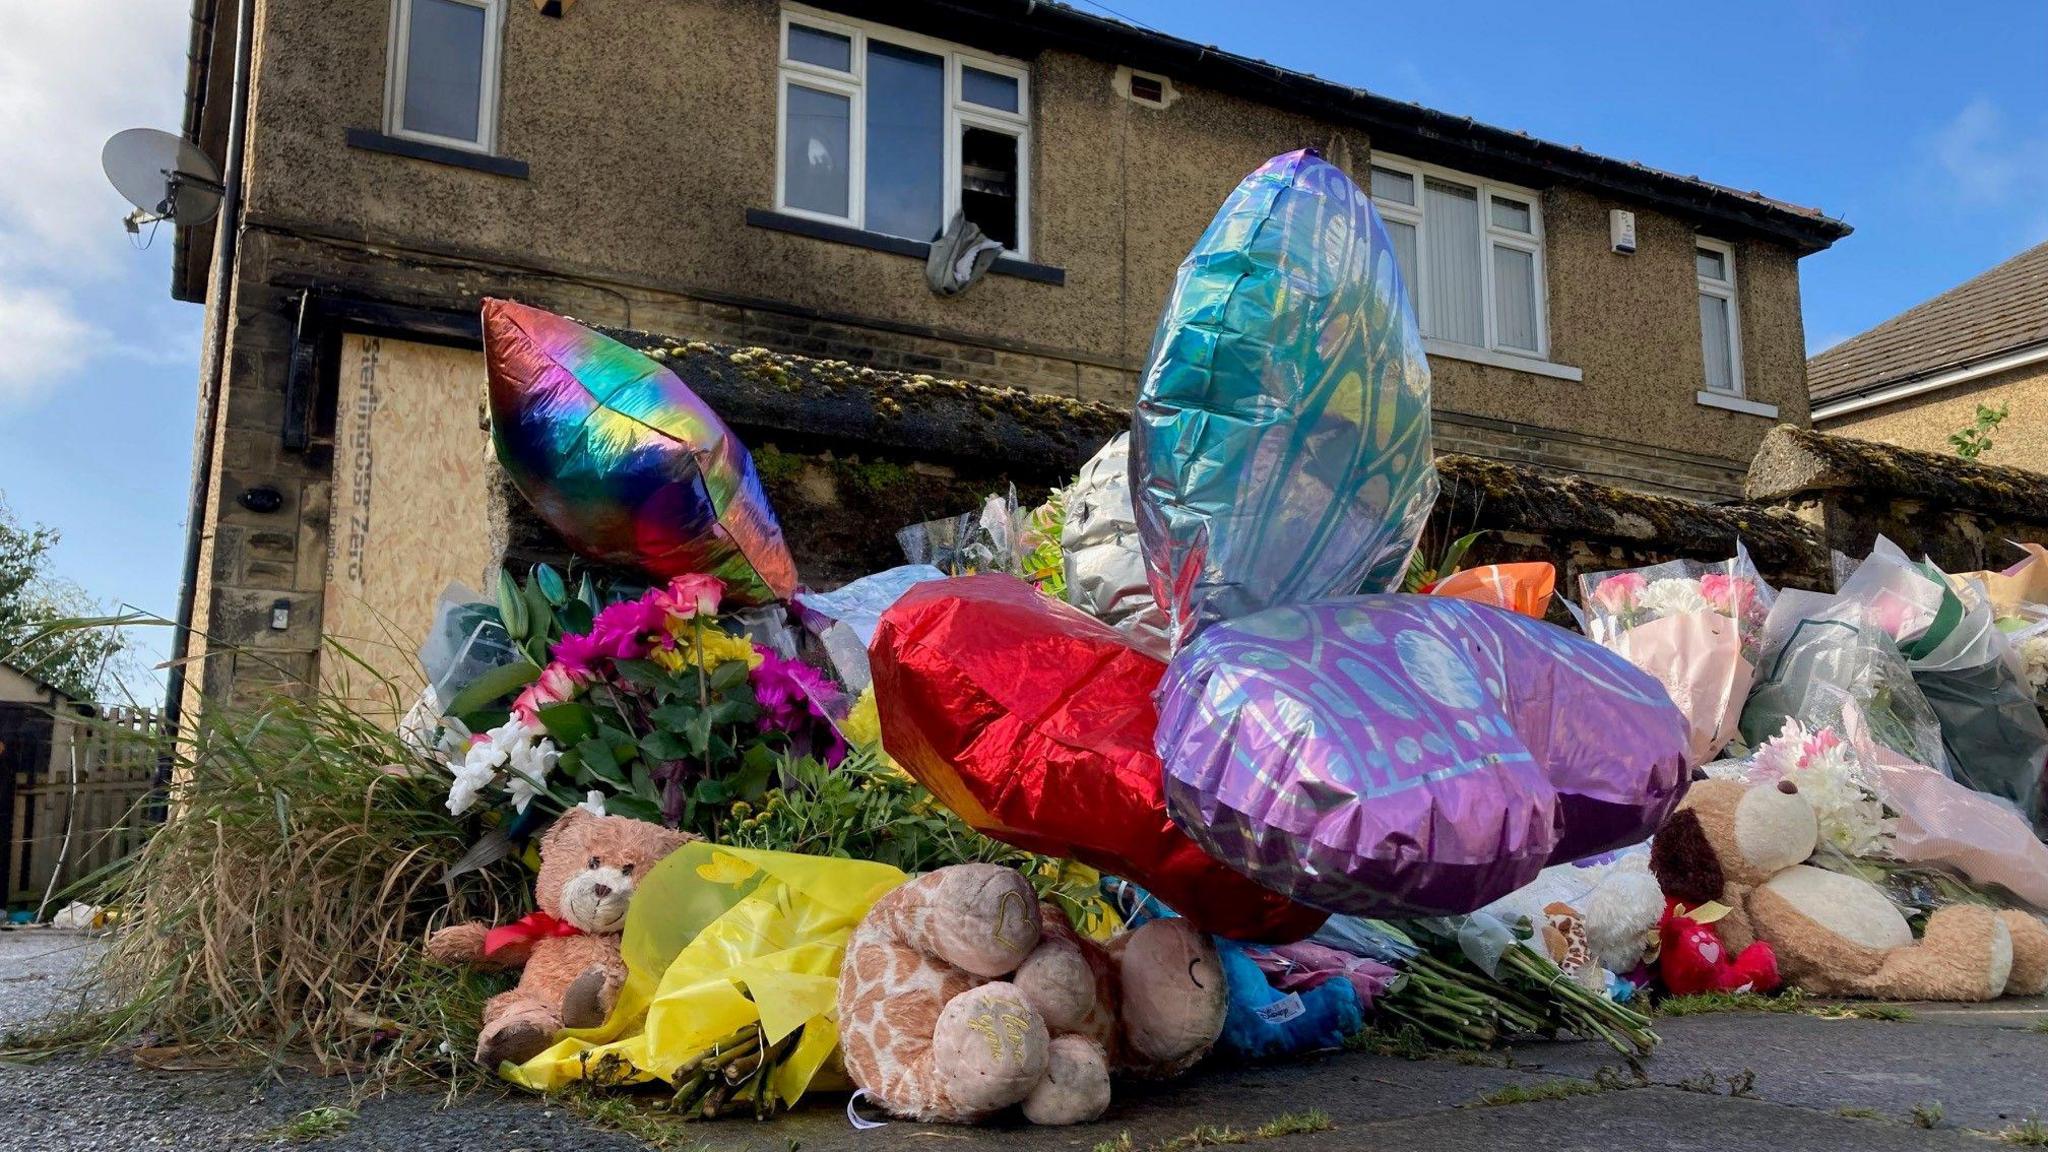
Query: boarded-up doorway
[410, 475]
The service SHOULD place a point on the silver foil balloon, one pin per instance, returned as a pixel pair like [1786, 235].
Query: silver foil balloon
[1105, 568]
[1280, 452]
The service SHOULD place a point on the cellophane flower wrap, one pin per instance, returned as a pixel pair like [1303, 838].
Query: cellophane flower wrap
[1696, 627]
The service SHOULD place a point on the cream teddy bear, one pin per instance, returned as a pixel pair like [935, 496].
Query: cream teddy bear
[1745, 846]
[961, 996]
[568, 952]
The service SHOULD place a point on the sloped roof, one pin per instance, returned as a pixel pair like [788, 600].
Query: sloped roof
[1020, 27]
[1998, 311]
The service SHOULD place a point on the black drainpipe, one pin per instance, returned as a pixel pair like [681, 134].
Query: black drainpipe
[227, 232]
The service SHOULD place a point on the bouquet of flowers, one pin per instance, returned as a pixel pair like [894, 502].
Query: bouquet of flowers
[1475, 982]
[1841, 788]
[654, 708]
[1697, 628]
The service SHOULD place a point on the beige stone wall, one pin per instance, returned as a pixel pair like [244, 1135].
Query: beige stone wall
[1926, 422]
[650, 128]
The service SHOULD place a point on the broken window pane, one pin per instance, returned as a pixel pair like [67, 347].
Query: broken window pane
[988, 183]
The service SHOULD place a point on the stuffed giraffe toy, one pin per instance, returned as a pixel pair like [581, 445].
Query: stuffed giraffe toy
[962, 996]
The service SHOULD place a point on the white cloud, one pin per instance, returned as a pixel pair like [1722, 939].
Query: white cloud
[44, 339]
[1989, 162]
[72, 74]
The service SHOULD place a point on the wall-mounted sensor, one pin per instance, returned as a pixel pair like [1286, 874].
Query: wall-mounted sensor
[280, 615]
[1621, 230]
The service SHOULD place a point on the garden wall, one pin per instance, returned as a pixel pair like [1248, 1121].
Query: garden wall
[851, 454]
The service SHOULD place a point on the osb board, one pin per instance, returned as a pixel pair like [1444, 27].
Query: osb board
[411, 470]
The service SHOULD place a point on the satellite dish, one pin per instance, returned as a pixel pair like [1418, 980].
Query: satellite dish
[164, 176]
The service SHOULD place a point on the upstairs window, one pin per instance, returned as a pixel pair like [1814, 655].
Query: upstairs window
[893, 133]
[1720, 324]
[1471, 254]
[443, 81]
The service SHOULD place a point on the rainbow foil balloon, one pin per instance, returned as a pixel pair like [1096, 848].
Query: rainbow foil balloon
[620, 457]
[1281, 448]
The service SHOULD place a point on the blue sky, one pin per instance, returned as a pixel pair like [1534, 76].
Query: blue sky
[1930, 135]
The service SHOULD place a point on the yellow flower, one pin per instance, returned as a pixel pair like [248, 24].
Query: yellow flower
[716, 647]
[669, 659]
[863, 728]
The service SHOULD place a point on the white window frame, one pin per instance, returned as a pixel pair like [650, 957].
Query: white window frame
[1724, 290]
[1491, 236]
[487, 96]
[960, 114]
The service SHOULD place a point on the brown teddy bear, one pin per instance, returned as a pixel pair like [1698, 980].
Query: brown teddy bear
[568, 952]
[1745, 846]
[961, 996]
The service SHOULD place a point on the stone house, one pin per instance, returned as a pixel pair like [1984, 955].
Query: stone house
[1919, 377]
[764, 174]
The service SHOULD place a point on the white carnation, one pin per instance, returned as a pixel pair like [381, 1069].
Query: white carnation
[1673, 596]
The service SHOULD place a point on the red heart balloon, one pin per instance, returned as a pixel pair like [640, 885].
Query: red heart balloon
[1033, 721]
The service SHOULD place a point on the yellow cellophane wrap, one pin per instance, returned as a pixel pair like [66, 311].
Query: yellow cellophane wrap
[716, 939]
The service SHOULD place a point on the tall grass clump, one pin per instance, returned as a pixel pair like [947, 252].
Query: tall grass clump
[278, 911]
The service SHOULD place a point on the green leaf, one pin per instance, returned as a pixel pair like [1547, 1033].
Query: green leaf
[512, 607]
[699, 733]
[675, 717]
[730, 674]
[493, 685]
[586, 595]
[550, 583]
[536, 648]
[664, 746]
[732, 711]
[642, 673]
[597, 756]
[643, 784]
[567, 723]
[575, 618]
[634, 807]
[1455, 554]
[537, 607]
[599, 763]
[711, 791]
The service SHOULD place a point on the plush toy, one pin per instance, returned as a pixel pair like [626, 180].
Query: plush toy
[1614, 905]
[569, 950]
[1745, 846]
[961, 996]
[1691, 958]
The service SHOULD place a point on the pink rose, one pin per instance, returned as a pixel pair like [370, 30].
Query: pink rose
[1617, 594]
[554, 686]
[690, 596]
[1733, 596]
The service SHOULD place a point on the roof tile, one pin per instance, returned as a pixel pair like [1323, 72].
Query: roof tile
[1996, 312]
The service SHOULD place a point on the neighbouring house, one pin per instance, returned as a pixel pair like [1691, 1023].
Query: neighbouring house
[746, 173]
[1919, 377]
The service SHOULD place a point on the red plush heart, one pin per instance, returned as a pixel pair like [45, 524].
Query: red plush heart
[1033, 721]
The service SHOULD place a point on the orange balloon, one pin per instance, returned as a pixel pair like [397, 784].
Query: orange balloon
[1523, 588]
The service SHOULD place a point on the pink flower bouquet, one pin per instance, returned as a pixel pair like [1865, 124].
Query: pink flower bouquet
[1697, 628]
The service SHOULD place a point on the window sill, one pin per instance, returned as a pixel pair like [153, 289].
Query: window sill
[372, 141]
[876, 241]
[1736, 404]
[1508, 360]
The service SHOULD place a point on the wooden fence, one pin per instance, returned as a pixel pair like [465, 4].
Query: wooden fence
[70, 828]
